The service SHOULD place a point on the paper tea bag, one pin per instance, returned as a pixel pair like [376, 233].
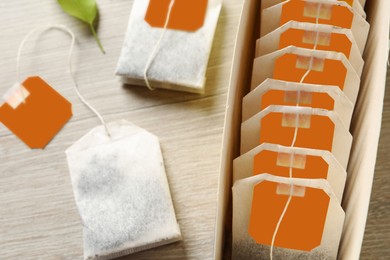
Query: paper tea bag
[336, 13]
[34, 112]
[306, 163]
[121, 191]
[317, 129]
[181, 58]
[310, 229]
[306, 35]
[285, 93]
[292, 63]
[356, 4]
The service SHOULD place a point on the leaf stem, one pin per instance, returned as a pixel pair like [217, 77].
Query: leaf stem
[96, 38]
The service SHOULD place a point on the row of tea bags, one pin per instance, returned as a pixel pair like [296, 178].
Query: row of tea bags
[295, 140]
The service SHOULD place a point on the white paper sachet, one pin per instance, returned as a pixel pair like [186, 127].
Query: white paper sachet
[121, 191]
[310, 229]
[181, 60]
[336, 13]
[291, 63]
[317, 129]
[356, 4]
[306, 163]
[278, 92]
[304, 35]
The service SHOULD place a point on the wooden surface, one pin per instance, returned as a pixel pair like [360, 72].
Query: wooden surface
[38, 216]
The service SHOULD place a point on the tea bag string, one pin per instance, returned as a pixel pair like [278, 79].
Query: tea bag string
[288, 202]
[157, 46]
[75, 86]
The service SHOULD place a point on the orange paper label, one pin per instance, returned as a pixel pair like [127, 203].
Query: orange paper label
[319, 135]
[290, 98]
[185, 15]
[40, 117]
[313, 167]
[303, 224]
[325, 41]
[291, 67]
[302, 11]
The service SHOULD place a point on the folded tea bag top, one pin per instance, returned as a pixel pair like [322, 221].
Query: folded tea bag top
[311, 228]
[356, 4]
[306, 163]
[121, 191]
[304, 35]
[317, 129]
[292, 63]
[336, 13]
[286, 93]
[181, 57]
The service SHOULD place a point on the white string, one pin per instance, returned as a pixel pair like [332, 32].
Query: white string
[157, 46]
[76, 88]
[293, 143]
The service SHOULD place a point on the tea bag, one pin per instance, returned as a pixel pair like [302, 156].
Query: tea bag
[309, 35]
[32, 109]
[317, 129]
[121, 191]
[336, 13]
[310, 229]
[178, 60]
[34, 112]
[285, 93]
[356, 4]
[306, 163]
[292, 63]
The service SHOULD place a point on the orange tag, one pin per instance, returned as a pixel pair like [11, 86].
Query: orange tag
[37, 114]
[305, 166]
[318, 136]
[325, 41]
[291, 67]
[302, 226]
[185, 15]
[302, 11]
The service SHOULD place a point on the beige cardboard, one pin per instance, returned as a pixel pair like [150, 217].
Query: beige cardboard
[181, 60]
[263, 68]
[270, 42]
[365, 127]
[243, 165]
[357, 5]
[271, 20]
[251, 103]
[245, 247]
[342, 139]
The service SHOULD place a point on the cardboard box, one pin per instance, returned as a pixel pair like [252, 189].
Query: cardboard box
[365, 127]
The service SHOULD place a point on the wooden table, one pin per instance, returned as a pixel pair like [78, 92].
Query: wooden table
[38, 215]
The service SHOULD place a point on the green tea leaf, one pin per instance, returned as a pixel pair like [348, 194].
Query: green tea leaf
[85, 10]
